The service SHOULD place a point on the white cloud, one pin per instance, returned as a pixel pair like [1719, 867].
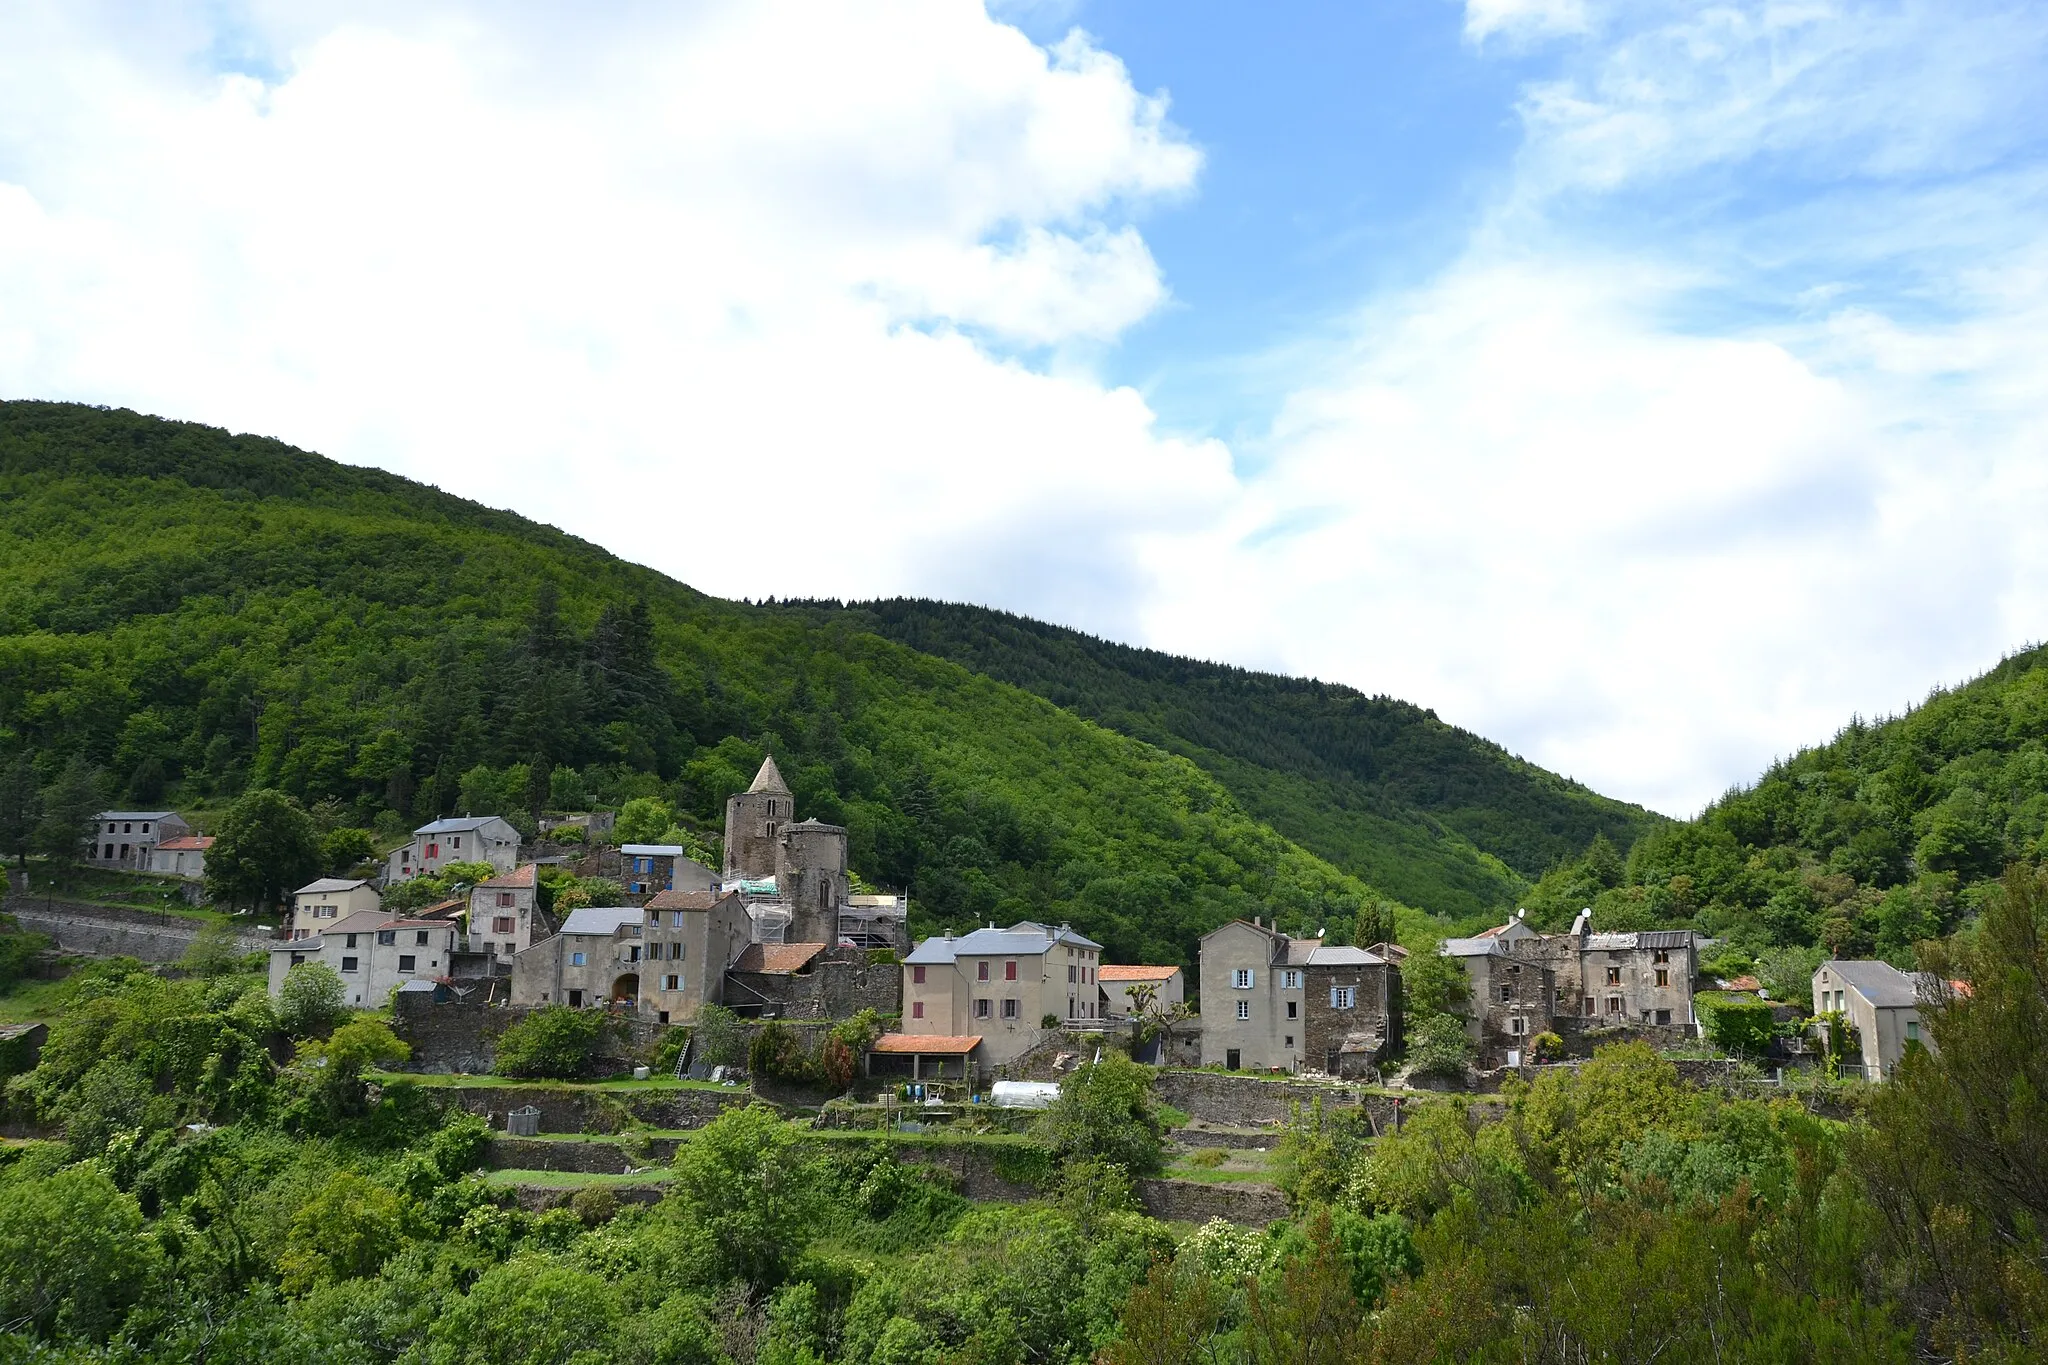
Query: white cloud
[1523, 19]
[664, 282]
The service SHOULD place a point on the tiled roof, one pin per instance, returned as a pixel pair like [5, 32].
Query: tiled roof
[319, 888]
[686, 900]
[929, 1044]
[447, 909]
[188, 843]
[455, 824]
[520, 876]
[777, 957]
[1878, 982]
[1133, 972]
[1334, 955]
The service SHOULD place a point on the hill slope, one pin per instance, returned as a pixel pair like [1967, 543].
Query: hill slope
[195, 612]
[1433, 814]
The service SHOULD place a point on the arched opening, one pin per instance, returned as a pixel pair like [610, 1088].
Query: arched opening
[627, 988]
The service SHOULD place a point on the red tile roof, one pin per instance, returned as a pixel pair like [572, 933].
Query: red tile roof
[1120, 971]
[929, 1044]
[776, 957]
[190, 843]
[521, 876]
[685, 900]
[1745, 983]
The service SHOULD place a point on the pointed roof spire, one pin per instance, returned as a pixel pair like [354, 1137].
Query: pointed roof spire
[769, 779]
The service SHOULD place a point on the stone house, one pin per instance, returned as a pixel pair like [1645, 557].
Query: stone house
[1168, 985]
[650, 869]
[690, 939]
[319, 905]
[1881, 1003]
[126, 838]
[1523, 983]
[792, 873]
[458, 839]
[1271, 1002]
[505, 915]
[811, 981]
[594, 959]
[374, 954]
[1001, 984]
[184, 856]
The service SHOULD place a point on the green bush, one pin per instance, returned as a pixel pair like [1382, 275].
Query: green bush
[310, 1000]
[1439, 1046]
[777, 1054]
[1737, 1023]
[554, 1042]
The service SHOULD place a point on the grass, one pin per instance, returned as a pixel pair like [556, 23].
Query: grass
[443, 1080]
[941, 1138]
[34, 1001]
[569, 1180]
[1220, 1166]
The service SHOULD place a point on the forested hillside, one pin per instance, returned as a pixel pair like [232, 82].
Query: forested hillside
[191, 613]
[1890, 835]
[1435, 815]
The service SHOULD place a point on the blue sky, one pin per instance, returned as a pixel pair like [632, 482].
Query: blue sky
[1646, 385]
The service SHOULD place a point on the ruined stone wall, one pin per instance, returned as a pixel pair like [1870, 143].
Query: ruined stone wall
[571, 1109]
[461, 1036]
[107, 932]
[840, 984]
[1190, 1201]
[1248, 1102]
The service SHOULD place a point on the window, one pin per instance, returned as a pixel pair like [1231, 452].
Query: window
[1010, 1007]
[917, 1009]
[419, 938]
[351, 940]
[433, 850]
[298, 958]
[671, 982]
[1244, 1009]
[455, 842]
[1507, 994]
[981, 1009]
[406, 961]
[1242, 978]
[386, 937]
[1557, 999]
[145, 826]
[1290, 1040]
[575, 959]
[1614, 976]
[1518, 1026]
[505, 898]
[1073, 974]
[1343, 997]
[633, 953]
[1290, 981]
[981, 971]
[576, 999]
[109, 852]
[1663, 976]
[1009, 971]
[1912, 1030]
[1663, 956]
[128, 827]
[1294, 1009]
[348, 964]
[501, 924]
[1614, 1004]
[675, 950]
[917, 976]
[1589, 1007]
[1663, 1016]
[110, 826]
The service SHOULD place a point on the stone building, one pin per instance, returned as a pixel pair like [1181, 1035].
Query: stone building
[1168, 986]
[126, 838]
[594, 959]
[1000, 985]
[320, 904]
[505, 915]
[1271, 1002]
[458, 839]
[1882, 1004]
[184, 856]
[649, 869]
[690, 940]
[811, 981]
[793, 873]
[373, 953]
[1523, 983]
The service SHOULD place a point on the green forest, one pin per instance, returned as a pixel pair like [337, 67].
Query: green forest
[1434, 815]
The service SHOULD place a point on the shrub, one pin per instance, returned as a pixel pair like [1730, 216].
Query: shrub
[554, 1041]
[1737, 1023]
[310, 1000]
[1208, 1157]
[1546, 1046]
[721, 1037]
[777, 1054]
[1439, 1046]
[1105, 1113]
[568, 834]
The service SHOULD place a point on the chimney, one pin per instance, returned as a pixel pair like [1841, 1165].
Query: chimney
[1257, 923]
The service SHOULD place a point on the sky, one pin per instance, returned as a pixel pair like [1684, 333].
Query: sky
[1649, 387]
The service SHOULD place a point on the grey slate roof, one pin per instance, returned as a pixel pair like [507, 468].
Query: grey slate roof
[1880, 983]
[1334, 956]
[1471, 947]
[135, 814]
[600, 919]
[932, 952]
[1023, 939]
[326, 884]
[769, 779]
[1664, 938]
[456, 824]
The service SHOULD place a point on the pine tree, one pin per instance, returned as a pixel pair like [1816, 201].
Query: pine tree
[21, 808]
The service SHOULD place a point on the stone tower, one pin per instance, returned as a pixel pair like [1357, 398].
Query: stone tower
[754, 821]
[812, 879]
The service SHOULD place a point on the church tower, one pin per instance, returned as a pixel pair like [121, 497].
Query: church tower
[754, 821]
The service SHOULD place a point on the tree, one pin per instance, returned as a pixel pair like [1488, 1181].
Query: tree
[73, 1253]
[213, 952]
[1439, 1046]
[1170, 1319]
[310, 999]
[554, 1042]
[21, 809]
[1433, 983]
[266, 846]
[1105, 1113]
[69, 805]
[742, 1177]
[344, 1232]
[1311, 1317]
[642, 821]
[341, 849]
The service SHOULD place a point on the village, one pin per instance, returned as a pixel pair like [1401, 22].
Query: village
[777, 932]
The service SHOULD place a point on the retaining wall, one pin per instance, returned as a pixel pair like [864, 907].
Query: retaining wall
[103, 931]
[541, 1198]
[1248, 1101]
[460, 1037]
[1191, 1201]
[571, 1109]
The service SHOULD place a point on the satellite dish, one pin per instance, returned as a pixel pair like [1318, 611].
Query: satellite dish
[1321, 932]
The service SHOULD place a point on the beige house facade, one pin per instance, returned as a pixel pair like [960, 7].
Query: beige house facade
[1000, 985]
[594, 959]
[1881, 1003]
[373, 953]
[184, 856]
[690, 940]
[1125, 984]
[320, 905]
[504, 914]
